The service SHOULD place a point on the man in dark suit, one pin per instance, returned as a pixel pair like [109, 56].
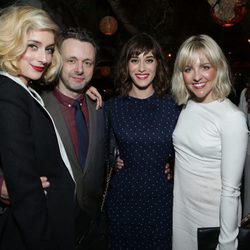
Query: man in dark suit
[78, 51]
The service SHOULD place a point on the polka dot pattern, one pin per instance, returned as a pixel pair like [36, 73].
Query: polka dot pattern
[139, 203]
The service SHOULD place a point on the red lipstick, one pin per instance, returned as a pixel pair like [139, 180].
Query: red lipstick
[37, 68]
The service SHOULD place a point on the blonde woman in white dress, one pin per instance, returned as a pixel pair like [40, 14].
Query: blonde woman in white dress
[210, 141]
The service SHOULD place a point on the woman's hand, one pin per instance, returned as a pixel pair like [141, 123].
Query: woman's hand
[168, 172]
[4, 191]
[93, 94]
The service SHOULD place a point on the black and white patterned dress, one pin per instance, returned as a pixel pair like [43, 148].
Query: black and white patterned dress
[139, 203]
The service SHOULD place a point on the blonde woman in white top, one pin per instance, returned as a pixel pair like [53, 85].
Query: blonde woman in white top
[210, 141]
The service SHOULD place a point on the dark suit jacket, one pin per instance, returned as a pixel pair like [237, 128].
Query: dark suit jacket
[90, 181]
[29, 149]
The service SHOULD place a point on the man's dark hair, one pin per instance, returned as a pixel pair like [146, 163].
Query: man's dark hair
[78, 33]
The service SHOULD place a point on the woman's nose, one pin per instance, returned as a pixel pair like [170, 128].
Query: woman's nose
[141, 66]
[197, 75]
[43, 57]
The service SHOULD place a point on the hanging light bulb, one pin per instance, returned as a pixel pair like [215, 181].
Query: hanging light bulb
[108, 25]
[238, 12]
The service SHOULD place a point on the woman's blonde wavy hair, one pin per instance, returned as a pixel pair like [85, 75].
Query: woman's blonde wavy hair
[201, 45]
[16, 22]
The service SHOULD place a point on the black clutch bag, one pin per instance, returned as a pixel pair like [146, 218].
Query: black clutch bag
[208, 238]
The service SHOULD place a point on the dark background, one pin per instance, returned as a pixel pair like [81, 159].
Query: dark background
[169, 21]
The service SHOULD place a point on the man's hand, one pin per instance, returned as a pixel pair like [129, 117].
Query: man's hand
[119, 164]
[4, 192]
[93, 94]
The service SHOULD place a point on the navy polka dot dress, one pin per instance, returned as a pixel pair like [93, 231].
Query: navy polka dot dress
[139, 204]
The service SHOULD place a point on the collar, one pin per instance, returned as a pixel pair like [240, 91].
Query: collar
[65, 100]
[31, 91]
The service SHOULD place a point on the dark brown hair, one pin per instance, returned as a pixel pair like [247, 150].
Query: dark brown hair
[79, 34]
[141, 43]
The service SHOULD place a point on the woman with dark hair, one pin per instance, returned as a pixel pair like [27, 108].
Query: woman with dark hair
[143, 117]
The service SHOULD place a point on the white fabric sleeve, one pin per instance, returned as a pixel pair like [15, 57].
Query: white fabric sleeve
[234, 136]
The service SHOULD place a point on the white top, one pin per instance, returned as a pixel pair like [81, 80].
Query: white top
[243, 107]
[210, 141]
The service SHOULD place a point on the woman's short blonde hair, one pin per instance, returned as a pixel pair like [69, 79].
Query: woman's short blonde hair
[200, 45]
[16, 22]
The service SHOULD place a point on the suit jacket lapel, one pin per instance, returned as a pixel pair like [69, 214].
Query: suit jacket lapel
[92, 129]
[53, 107]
